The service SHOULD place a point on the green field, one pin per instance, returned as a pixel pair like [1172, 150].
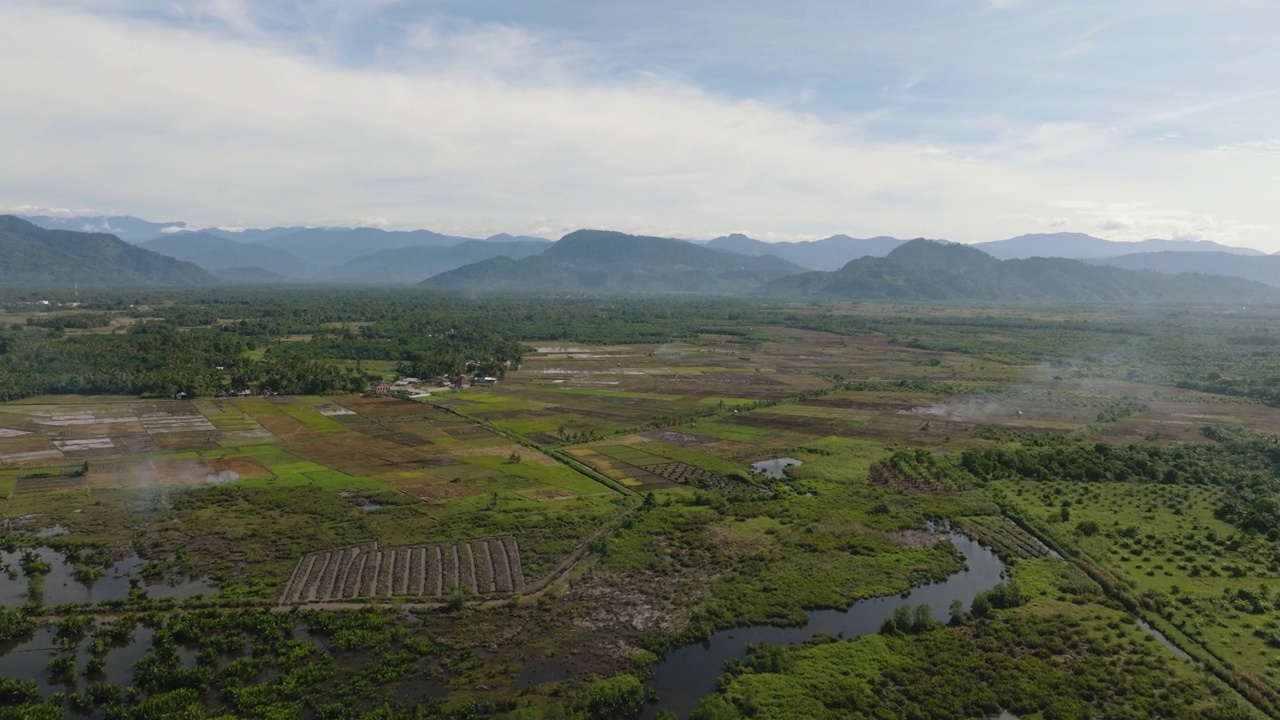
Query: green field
[1137, 442]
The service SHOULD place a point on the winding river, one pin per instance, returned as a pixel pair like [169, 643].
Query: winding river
[682, 678]
[688, 674]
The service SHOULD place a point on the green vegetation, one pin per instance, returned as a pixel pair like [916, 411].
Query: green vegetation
[601, 261]
[928, 270]
[30, 255]
[613, 454]
[1051, 660]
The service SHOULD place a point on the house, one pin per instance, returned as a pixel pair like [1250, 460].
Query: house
[462, 382]
[486, 380]
[381, 388]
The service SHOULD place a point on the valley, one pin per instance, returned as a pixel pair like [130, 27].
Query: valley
[543, 545]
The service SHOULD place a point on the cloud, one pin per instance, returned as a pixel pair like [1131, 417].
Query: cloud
[1259, 148]
[213, 114]
[231, 132]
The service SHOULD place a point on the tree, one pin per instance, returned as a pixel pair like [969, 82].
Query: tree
[921, 618]
[715, 707]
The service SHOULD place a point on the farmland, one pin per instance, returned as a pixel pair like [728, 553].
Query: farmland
[534, 546]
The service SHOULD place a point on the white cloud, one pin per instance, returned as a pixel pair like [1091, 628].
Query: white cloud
[1263, 148]
[494, 128]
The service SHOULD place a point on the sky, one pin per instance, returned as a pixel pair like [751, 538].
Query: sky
[967, 120]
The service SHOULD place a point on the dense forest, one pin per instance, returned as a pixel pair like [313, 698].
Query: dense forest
[170, 340]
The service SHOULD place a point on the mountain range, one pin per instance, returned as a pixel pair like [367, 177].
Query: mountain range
[1079, 246]
[928, 270]
[126, 227]
[1264, 269]
[214, 252]
[372, 255]
[31, 255]
[605, 261]
[826, 254]
[832, 253]
[412, 264]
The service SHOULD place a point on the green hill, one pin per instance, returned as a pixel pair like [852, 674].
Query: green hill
[31, 255]
[926, 270]
[613, 262]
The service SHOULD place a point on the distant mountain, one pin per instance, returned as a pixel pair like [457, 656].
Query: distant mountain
[1079, 246]
[603, 261]
[33, 255]
[250, 276]
[127, 228]
[334, 246]
[216, 253]
[415, 264]
[253, 235]
[506, 237]
[826, 254]
[927, 270]
[1264, 269]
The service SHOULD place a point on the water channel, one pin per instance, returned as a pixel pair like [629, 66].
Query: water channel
[688, 674]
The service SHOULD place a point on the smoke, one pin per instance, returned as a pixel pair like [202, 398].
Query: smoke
[222, 476]
[967, 410]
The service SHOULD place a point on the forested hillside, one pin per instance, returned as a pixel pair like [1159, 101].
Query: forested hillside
[603, 261]
[926, 270]
[30, 255]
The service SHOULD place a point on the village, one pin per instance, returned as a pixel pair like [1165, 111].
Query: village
[411, 387]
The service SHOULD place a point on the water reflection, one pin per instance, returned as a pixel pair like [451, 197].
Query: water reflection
[774, 468]
[61, 586]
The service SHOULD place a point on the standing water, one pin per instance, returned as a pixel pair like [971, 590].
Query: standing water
[687, 675]
[774, 468]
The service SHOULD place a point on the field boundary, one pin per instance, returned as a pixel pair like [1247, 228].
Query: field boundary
[1261, 696]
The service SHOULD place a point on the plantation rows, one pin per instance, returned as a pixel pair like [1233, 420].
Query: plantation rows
[682, 473]
[1008, 541]
[480, 567]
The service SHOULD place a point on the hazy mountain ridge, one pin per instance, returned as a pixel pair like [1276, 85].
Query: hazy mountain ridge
[1265, 268]
[215, 253]
[826, 254]
[415, 264]
[374, 255]
[927, 270]
[125, 227]
[33, 255]
[1079, 246]
[606, 261]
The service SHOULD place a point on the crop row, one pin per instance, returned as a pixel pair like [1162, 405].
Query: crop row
[1008, 540]
[488, 566]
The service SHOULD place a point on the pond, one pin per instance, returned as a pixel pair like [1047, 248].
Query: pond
[28, 658]
[774, 468]
[61, 586]
[688, 674]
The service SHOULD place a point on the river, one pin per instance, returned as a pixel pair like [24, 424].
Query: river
[688, 674]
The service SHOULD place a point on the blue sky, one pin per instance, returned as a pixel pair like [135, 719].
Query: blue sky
[964, 119]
